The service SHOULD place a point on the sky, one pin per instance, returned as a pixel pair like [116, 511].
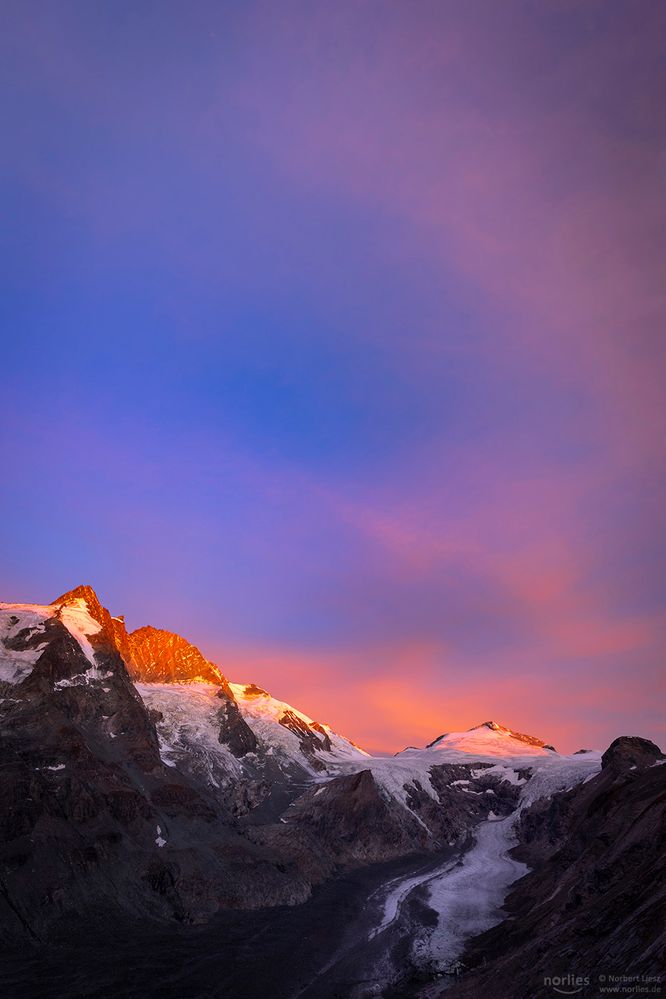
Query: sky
[333, 339]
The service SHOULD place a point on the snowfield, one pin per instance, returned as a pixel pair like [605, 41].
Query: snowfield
[189, 729]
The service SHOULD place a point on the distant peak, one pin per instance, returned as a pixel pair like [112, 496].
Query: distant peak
[503, 730]
[492, 738]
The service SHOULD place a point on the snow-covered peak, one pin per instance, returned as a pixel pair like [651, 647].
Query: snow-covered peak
[487, 739]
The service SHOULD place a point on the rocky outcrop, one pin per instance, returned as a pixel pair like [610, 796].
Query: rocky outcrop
[354, 822]
[325, 743]
[595, 901]
[629, 753]
[312, 738]
[97, 696]
[234, 730]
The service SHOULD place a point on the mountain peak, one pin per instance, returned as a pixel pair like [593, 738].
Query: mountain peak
[83, 592]
[84, 598]
[503, 730]
[491, 738]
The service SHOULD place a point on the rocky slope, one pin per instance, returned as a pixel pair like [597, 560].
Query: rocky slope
[595, 902]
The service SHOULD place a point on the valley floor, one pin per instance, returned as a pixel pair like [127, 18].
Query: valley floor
[328, 947]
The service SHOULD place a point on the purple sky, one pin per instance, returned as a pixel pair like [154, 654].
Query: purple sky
[334, 340]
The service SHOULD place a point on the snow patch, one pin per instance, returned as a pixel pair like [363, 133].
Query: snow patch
[80, 624]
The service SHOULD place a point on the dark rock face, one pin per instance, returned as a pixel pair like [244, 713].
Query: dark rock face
[325, 738]
[460, 810]
[595, 903]
[313, 738]
[343, 824]
[630, 751]
[105, 706]
[234, 730]
[354, 822]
